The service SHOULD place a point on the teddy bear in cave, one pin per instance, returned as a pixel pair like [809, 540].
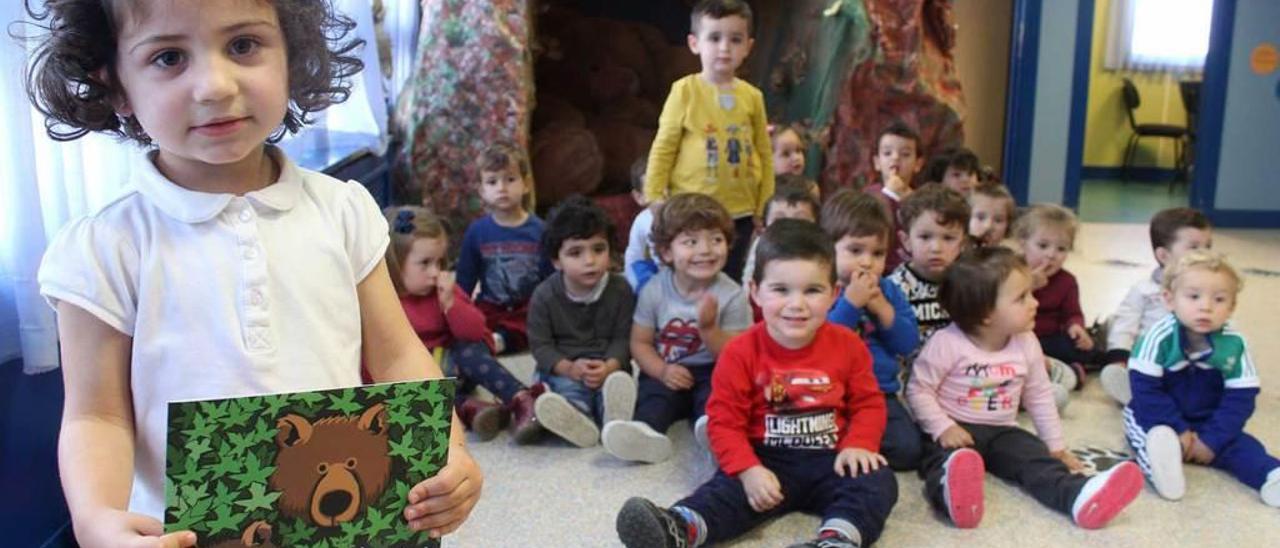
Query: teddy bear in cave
[328, 471]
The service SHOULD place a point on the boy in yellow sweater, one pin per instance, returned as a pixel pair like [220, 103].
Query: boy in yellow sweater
[712, 135]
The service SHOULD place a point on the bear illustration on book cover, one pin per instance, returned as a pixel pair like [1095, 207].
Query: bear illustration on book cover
[318, 469]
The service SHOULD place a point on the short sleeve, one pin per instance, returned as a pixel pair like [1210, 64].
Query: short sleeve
[91, 265]
[647, 304]
[735, 313]
[366, 236]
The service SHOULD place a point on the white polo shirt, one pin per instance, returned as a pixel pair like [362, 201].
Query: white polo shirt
[223, 295]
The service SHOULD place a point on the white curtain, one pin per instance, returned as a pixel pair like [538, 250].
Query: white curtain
[44, 184]
[1158, 35]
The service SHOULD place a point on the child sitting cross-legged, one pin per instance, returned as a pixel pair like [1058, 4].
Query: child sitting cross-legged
[965, 389]
[1195, 384]
[795, 417]
[876, 309]
[579, 322]
[683, 318]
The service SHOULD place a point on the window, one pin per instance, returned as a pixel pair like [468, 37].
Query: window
[1158, 35]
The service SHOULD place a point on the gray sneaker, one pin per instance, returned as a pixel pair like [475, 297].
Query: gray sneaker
[619, 396]
[1060, 397]
[1115, 382]
[700, 433]
[1164, 457]
[635, 441]
[561, 418]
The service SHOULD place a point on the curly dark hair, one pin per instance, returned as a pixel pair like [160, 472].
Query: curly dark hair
[689, 211]
[72, 76]
[574, 218]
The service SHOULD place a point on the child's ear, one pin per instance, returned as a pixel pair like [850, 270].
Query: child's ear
[752, 288]
[1168, 298]
[693, 43]
[555, 262]
[1162, 256]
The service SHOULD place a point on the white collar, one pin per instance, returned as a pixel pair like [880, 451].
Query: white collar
[193, 207]
[591, 297]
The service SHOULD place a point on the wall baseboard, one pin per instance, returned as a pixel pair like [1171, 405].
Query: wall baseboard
[1139, 173]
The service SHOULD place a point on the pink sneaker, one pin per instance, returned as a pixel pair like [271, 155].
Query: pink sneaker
[962, 480]
[1106, 494]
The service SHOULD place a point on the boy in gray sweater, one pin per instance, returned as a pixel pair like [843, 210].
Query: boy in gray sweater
[579, 327]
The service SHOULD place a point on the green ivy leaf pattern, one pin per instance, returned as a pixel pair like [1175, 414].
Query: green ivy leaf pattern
[221, 456]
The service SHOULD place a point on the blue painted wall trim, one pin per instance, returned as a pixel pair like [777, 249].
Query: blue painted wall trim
[1139, 173]
[1079, 104]
[1213, 105]
[1021, 104]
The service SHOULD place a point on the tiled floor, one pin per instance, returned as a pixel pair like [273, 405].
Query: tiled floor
[555, 495]
[1111, 201]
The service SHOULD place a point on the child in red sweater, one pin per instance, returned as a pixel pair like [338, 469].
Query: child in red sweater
[446, 320]
[795, 413]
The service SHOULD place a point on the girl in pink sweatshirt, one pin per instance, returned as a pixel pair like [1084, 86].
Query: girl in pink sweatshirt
[965, 390]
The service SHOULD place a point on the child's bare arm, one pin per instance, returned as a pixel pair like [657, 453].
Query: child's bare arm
[392, 352]
[643, 351]
[95, 446]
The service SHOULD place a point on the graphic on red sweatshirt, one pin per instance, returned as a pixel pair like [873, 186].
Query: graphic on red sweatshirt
[802, 406]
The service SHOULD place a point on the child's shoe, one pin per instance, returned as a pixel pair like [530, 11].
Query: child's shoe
[1270, 490]
[556, 414]
[484, 418]
[619, 396]
[1062, 374]
[635, 441]
[962, 477]
[642, 524]
[700, 433]
[1060, 397]
[1115, 382]
[525, 428]
[828, 539]
[1106, 494]
[1164, 460]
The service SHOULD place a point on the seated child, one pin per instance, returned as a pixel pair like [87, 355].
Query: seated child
[796, 417]
[993, 210]
[965, 390]
[788, 156]
[639, 260]
[791, 200]
[500, 250]
[956, 168]
[1174, 233]
[579, 322]
[1046, 233]
[934, 219]
[683, 318]
[875, 308]
[1195, 384]
[897, 160]
[444, 318]
[713, 135]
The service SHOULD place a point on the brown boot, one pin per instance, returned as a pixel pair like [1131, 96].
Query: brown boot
[484, 418]
[525, 428]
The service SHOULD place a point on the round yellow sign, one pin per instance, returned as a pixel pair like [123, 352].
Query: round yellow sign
[1264, 59]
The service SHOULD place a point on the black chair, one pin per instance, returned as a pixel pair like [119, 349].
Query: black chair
[1178, 133]
[1190, 91]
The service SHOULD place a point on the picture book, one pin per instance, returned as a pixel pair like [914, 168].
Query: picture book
[321, 469]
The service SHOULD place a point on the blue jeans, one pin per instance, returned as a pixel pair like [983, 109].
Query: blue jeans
[590, 402]
[903, 442]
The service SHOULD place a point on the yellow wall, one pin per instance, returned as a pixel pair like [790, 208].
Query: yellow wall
[1107, 125]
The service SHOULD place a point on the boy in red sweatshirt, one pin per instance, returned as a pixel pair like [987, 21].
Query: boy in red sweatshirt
[795, 413]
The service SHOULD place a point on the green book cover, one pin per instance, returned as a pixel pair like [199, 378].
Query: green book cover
[322, 469]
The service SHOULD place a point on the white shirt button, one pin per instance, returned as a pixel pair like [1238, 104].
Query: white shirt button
[255, 297]
[250, 253]
[246, 215]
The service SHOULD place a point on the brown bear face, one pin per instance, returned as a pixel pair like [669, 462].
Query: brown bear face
[329, 471]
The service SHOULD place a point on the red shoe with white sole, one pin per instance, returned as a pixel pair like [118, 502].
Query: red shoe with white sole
[962, 477]
[1106, 494]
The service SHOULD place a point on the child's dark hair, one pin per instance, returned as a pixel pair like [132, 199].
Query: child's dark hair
[958, 158]
[1166, 223]
[72, 78]
[971, 285]
[574, 218]
[900, 129]
[850, 212]
[792, 190]
[409, 223]
[792, 239]
[802, 133]
[719, 9]
[638, 169]
[949, 206]
[689, 211]
[997, 191]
